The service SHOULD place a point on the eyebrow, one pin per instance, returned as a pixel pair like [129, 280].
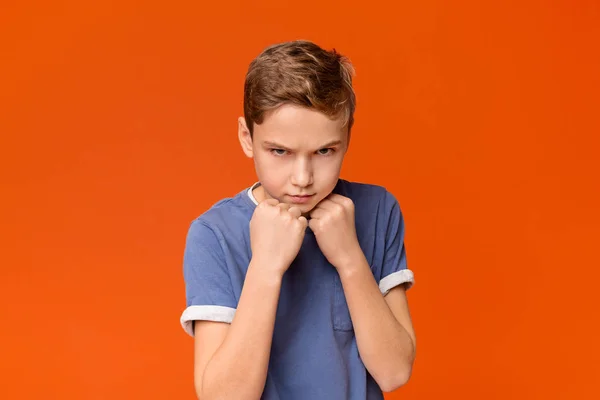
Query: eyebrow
[280, 146]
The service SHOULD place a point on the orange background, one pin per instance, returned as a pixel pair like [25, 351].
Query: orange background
[118, 127]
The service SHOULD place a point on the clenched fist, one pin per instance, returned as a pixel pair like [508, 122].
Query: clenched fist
[276, 234]
[332, 221]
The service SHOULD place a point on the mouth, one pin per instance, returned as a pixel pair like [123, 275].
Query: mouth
[301, 199]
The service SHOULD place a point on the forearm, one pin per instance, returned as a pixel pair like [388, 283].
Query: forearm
[385, 346]
[238, 369]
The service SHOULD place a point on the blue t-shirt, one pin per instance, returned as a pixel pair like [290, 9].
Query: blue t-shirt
[314, 354]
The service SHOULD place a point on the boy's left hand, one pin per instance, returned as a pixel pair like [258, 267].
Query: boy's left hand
[332, 221]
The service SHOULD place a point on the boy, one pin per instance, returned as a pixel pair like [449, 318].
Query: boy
[296, 286]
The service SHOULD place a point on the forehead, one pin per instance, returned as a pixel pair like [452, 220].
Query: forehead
[290, 124]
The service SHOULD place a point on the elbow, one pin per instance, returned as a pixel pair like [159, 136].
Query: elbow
[399, 375]
[395, 380]
[198, 391]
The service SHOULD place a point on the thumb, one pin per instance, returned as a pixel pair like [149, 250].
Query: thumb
[303, 220]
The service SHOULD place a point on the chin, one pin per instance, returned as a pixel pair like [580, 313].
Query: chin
[306, 208]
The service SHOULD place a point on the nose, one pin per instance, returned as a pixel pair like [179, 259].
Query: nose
[302, 174]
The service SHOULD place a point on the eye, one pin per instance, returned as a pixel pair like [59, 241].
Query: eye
[325, 152]
[278, 152]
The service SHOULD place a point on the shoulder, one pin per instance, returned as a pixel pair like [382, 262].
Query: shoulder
[224, 216]
[367, 196]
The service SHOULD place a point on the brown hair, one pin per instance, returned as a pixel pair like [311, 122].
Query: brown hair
[301, 73]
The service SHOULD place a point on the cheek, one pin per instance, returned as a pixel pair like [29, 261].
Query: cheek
[263, 163]
[328, 171]
[271, 172]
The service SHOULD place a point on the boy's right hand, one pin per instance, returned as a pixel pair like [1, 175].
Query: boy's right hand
[276, 234]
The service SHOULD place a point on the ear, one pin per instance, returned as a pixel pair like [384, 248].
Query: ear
[245, 137]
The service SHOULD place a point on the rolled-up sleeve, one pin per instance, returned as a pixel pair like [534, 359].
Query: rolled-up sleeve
[209, 294]
[394, 270]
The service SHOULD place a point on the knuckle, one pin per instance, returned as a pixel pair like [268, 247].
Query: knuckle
[286, 216]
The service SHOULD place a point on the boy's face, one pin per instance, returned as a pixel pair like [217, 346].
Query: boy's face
[297, 154]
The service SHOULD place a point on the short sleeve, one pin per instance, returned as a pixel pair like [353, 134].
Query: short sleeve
[394, 270]
[209, 294]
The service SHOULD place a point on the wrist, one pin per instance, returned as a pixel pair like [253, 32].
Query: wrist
[352, 261]
[267, 270]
